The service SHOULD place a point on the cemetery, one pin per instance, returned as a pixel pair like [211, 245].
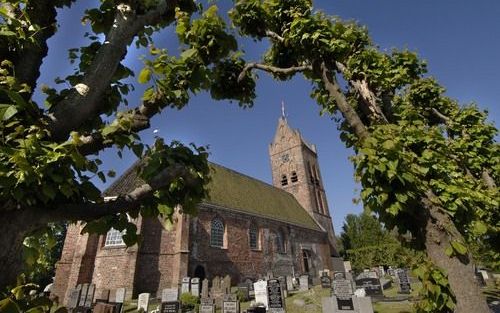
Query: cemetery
[336, 292]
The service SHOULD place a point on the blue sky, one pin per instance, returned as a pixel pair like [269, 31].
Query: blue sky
[459, 39]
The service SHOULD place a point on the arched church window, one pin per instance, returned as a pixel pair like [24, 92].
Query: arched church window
[294, 177]
[114, 238]
[284, 180]
[253, 236]
[280, 242]
[217, 233]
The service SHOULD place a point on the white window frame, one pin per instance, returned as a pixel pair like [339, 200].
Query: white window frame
[114, 238]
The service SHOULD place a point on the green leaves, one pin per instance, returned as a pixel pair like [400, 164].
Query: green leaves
[144, 75]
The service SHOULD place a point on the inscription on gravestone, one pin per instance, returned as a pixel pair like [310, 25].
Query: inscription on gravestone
[342, 289]
[207, 305]
[120, 295]
[275, 300]
[230, 304]
[370, 283]
[170, 307]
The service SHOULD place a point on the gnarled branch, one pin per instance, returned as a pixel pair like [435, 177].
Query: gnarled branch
[272, 69]
[274, 36]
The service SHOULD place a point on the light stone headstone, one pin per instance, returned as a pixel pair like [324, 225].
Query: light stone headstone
[120, 295]
[226, 284]
[74, 296]
[143, 302]
[204, 288]
[195, 286]
[260, 288]
[170, 307]
[90, 296]
[289, 283]
[170, 295]
[185, 285]
[83, 294]
[304, 283]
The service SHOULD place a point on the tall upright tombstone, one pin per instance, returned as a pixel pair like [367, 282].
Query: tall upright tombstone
[90, 296]
[304, 283]
[289, 283]
[195, 286]
[143, 302]
[275, 298]
[83, 295]
[204, 288]
[343, 294]
[260, 288]
[74, 297]
[185, 285]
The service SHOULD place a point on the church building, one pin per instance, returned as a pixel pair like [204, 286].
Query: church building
[246, 228]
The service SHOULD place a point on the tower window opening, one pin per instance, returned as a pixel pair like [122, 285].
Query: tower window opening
[294, 177]
[284, 180]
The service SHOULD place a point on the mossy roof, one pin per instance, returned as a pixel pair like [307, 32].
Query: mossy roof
[235, 191]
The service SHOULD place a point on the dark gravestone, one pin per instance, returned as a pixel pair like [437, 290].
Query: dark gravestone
[345, 304]
[403, 281]
[275, 300]
[170, 307]
[326, 282]
[371, 285]
[244, 293]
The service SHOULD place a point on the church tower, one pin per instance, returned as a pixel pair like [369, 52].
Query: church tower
[295, 168]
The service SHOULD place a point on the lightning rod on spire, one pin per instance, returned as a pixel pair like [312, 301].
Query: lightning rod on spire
[283, 109]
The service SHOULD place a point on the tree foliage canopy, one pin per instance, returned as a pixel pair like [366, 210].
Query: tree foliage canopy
[426, 163]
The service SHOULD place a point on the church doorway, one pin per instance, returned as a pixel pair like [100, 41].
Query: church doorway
[199, 272]
[306, 257]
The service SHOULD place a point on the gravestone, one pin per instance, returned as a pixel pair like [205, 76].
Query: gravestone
[289, 283]
[83, 295]
[102, 296]
[90, 296]
[207, 305]
[381, 271]
[169, 295]
[120, 295]
[204, 288]
[343, 293]
[304, 283]
[230, 304]
[370, 282]
[226, 284]
[403, 281]
[195, 286]
[216, 292]
[170, 307]
[260, 288]
[185, 285]
[326, 282]
[275, 299]
[74, 297]
[143, 302]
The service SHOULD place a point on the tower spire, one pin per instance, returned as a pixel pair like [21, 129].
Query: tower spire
[283, 116]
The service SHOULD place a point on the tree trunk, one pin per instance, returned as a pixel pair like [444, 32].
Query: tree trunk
[460, 271]
[14, 226]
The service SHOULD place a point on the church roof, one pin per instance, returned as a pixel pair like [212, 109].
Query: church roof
[235, 191]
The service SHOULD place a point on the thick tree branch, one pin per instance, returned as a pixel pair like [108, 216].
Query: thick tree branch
[274, 36]
[83, 102]
[29, 58]
[347, 111]
[368, 98]
[272, 69]
[123, 202]
[441, 116]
